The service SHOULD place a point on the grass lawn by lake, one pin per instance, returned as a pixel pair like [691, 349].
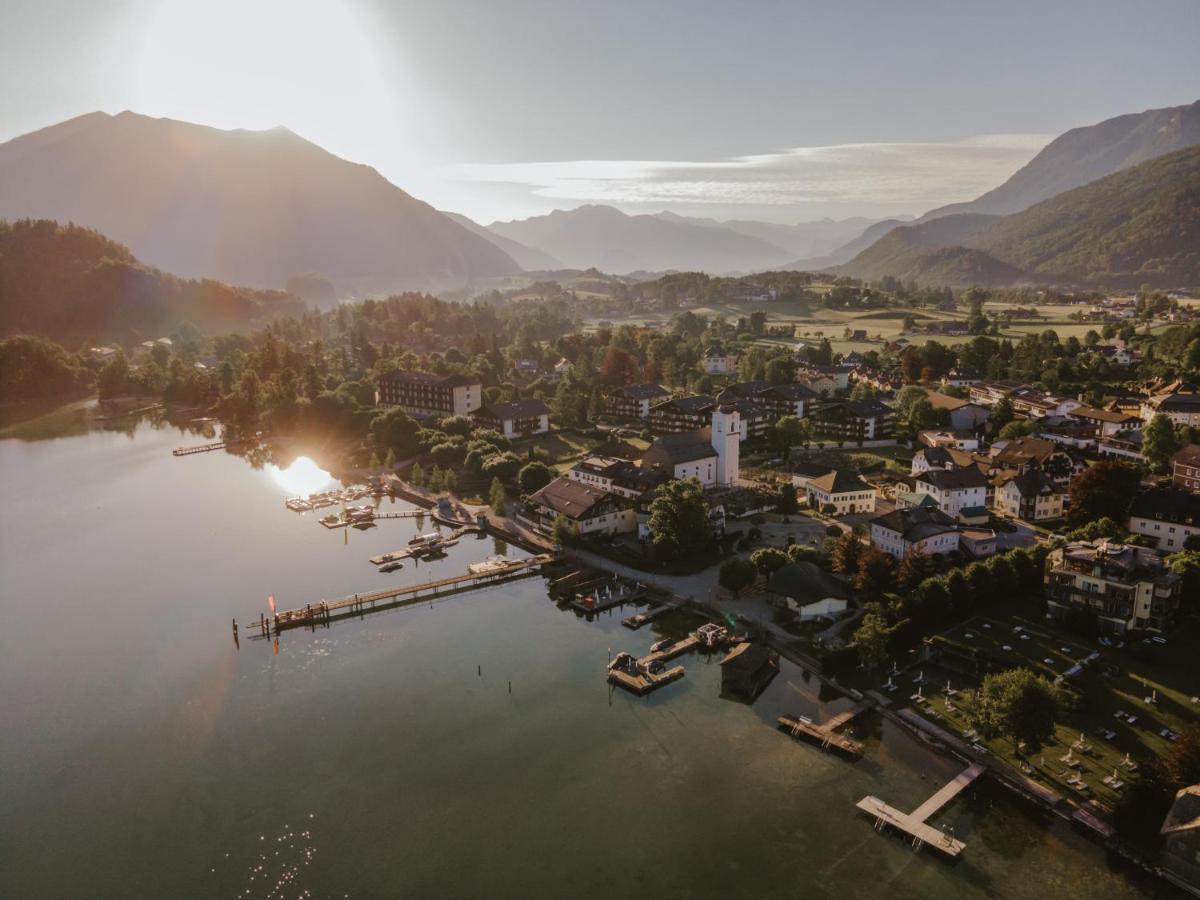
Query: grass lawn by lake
[1116, 681]
[562, 449]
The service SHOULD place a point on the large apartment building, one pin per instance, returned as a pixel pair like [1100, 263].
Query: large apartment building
[681, 414]
[517, 418]
[852, 420]
[1120, 586]
[424, 394]
[1185, 468]
[633, 401]
[1180, 404]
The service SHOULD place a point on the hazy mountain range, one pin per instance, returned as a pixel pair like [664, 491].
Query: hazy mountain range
[607, 239]
[257, 208]
[1138, 226]
[1079, 157]
[1082, 155]
[247, 207]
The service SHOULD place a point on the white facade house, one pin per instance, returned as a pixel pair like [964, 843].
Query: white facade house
[954, 489]
[588, 509]
[922, 530]
[718, 361]
[844, 491]
[1031, 496]
[1169, 515]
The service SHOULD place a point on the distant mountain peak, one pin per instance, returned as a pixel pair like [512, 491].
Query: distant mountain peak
[1082, 155]
[244, 206]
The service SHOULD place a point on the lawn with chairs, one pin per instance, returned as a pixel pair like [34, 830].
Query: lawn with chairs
[1124, 705]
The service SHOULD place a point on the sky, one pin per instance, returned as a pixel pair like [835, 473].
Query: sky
[786, 111]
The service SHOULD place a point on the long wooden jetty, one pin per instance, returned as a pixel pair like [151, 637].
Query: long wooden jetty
[915, 824]
[216, 445]
[826, 734]
[325, 611]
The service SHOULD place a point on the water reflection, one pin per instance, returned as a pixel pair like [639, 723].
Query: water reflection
[301, 478]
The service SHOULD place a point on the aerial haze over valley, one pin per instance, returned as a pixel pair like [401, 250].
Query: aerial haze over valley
[473, 449]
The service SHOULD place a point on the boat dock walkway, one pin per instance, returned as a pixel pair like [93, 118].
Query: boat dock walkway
[644, 674]
[826, 734]
[216, 445]
[605, 592]
[914, 824]
[644, 682]
[678, 648]
[326, 611]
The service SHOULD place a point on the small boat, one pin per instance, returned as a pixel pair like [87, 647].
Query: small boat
[330, 519]
[658, 646]
[391, 567]
[490, 566]
[360, 513]
[425, 538]
[620, 661]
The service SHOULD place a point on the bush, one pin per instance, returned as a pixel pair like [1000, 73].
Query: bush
[737, 574]
[503, 466]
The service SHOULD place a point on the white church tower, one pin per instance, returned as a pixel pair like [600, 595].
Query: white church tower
[727, 440]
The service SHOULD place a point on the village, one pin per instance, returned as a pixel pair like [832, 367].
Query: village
[849, 511]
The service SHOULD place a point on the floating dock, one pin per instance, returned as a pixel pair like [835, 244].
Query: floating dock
[325, 611]
[647, 673]
[644, 682]
[914, 824]
[678, 648]
[824, 734]
[605, 593]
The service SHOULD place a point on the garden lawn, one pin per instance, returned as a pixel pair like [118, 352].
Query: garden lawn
[1116, 681]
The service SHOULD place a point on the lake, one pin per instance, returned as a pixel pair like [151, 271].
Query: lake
[145, 755]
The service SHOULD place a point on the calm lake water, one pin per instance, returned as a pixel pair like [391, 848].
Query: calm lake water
[142, 754]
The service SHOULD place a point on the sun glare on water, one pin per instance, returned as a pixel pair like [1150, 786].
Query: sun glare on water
[301, 478]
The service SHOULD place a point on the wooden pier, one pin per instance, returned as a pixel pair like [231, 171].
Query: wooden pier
[217, 445]
[826, 734]
[644, 682]
[617, 591]
[914, 824]
[645, 674]
[678, 648]
[325, 611]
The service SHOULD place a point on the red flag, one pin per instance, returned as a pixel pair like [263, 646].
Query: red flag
[271, 603]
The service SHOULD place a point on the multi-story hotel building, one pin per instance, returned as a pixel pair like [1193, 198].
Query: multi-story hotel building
[1124, 587]
[423, 394]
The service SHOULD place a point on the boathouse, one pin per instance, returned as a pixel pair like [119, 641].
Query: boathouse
[748, 668]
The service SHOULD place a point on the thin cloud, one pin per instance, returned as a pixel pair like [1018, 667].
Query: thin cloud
[920, 175]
